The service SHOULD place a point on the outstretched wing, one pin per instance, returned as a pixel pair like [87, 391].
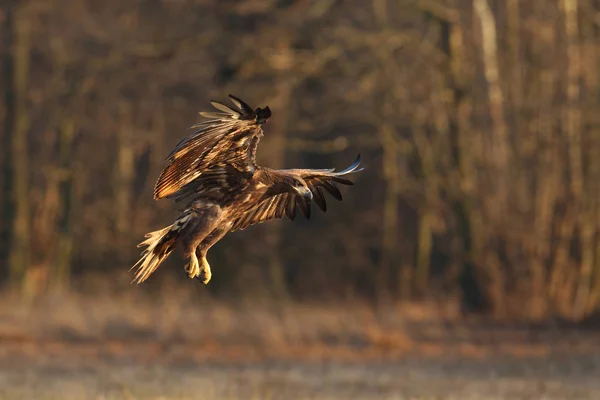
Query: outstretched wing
[318, 181]
[229, 138]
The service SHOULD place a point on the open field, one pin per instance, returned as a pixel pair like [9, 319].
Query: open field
[103, 347]
[411, 378]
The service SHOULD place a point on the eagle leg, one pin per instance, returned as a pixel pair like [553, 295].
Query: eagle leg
[206, 272]
[193, 267]
[206, 218]
[203, 248]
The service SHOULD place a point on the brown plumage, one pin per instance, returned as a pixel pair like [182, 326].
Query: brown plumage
[215, 170]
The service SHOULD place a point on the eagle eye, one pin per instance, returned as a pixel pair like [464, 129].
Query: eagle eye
[297, 183]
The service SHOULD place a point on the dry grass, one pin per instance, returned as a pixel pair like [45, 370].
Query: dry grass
[175, 314]
[174, 342]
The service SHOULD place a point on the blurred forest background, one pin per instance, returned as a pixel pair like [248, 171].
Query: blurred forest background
[477, 122]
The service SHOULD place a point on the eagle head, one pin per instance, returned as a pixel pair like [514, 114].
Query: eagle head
[298, 186]
[262, 114]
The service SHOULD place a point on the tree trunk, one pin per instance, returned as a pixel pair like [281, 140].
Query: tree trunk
[389, 239]
[124, 173]
[572, 127]
[19, 29]
[64, 251]
[499, 149]
[8, 116]
[513, 16]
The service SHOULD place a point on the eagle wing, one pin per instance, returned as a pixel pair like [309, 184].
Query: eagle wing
[228, 140]
[284, 205]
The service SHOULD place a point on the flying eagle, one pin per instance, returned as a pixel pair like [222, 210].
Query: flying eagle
[214, 169]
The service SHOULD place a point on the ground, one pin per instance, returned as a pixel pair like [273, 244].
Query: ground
[110, 347]
[411, 378]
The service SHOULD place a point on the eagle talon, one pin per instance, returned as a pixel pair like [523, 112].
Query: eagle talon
[206, 272]
[193, 267]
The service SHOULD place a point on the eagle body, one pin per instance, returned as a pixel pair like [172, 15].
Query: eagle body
[213, 171]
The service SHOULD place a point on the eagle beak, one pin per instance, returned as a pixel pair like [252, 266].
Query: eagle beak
[305, 193]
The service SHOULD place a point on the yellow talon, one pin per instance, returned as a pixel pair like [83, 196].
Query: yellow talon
[206, 270]
[193, 268]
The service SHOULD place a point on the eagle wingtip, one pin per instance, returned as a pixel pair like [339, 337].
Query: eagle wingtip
[235, 98]
[157, 191]
[160, 193]
[246, 110]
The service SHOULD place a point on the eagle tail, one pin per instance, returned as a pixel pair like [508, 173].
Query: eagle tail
[159, 244]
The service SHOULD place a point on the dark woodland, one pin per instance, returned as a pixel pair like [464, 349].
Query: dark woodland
[477, 124]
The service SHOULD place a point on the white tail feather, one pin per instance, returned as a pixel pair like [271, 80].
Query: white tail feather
[155, 252]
